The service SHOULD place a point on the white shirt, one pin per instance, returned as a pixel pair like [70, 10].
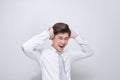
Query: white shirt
[48, 58]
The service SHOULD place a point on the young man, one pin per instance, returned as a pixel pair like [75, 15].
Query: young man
[56, 62]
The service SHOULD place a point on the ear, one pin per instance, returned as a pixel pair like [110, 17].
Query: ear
[52, 37]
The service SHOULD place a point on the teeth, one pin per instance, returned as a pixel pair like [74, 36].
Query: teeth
[61, 46]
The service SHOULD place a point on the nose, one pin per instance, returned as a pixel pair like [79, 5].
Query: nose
[63, 41]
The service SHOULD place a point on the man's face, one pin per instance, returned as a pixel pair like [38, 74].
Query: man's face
[60, 41]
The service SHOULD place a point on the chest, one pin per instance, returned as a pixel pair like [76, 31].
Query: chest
[51, 61]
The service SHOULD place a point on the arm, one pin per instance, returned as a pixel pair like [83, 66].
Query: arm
[85, 51]
[30, 46]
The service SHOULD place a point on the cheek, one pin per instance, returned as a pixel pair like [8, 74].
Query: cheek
[66, 42]
[57, 42]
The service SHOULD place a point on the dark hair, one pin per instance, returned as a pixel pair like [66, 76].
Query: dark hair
[61, 28]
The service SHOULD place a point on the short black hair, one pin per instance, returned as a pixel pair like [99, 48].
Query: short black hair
[61, 28]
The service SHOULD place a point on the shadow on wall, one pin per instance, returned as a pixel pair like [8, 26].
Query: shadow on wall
[81, 73]
[37, 77]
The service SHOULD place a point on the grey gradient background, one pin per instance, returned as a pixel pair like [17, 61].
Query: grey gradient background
[97, 20]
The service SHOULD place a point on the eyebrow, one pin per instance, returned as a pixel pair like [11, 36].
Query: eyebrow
[62, 37]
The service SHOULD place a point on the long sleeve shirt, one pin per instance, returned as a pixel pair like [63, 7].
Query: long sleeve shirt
[48, 58]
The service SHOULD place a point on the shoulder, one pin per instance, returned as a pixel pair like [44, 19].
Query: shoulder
[47, 52]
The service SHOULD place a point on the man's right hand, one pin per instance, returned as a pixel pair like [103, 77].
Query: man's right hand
[51, 33]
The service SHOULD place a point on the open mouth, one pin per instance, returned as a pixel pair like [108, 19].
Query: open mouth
[61, 46]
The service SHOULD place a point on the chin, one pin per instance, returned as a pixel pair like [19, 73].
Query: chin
[60, 50]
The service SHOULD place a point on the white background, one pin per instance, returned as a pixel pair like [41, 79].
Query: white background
[97, 20]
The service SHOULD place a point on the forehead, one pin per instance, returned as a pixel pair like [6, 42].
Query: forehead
[62, 35]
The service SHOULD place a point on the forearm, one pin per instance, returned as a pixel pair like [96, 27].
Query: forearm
[86, 50]
[35, 41]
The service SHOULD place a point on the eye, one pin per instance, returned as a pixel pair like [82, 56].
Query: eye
[66, 38]
[60, 38]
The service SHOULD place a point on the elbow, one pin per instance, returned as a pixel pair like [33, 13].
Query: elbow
[23, 48]
[90, 54]
[26, 48]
